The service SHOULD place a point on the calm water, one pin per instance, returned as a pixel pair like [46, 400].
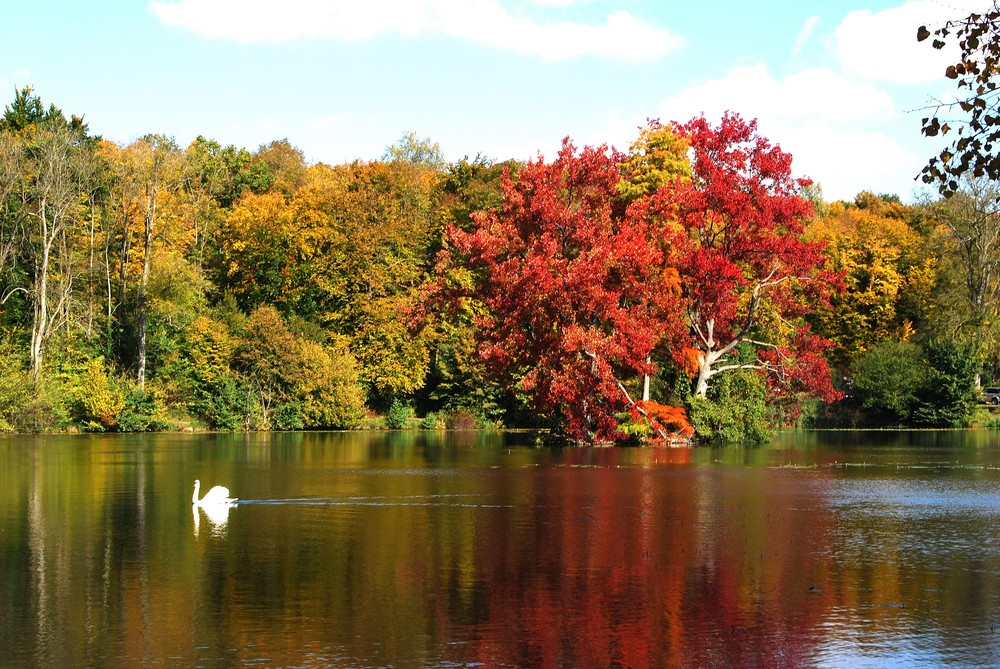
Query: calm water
[474, 550]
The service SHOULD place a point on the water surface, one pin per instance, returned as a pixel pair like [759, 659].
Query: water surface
[479, 550]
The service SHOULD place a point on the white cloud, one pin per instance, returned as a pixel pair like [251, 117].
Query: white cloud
[808, 28]
[882, 46]
[620, 35]
[811, 94]
[846, 160]
[833, 126]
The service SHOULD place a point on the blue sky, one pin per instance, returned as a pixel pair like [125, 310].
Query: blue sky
[834, 83]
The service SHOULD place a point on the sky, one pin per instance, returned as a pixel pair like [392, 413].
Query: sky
[839, 84]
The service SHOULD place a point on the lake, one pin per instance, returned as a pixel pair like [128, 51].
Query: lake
[420, 549]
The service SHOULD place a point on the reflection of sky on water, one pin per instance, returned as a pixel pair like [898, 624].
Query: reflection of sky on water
[952, 518]
[919, 649]
[923, 542]
[909, 651]
[918, 497]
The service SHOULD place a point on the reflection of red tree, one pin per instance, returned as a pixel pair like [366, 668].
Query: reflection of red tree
[599, 580]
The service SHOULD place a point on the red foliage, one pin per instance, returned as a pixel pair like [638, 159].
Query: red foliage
[746, 269]
[576, 286]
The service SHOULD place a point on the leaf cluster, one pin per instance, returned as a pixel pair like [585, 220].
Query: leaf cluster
[976, 149]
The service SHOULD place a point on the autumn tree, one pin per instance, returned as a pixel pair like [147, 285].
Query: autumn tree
[348, 251]
[214, 177]
[889, 275]
[296, 382]
[658, 157]
[415, 150]
[457, 381]
[748, 274]
[575, 287]
[151, 172]
[975, 151]
[969, 233]
[286, 165]
[44, 181]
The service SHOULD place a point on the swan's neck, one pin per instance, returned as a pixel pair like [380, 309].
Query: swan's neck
[194, 497]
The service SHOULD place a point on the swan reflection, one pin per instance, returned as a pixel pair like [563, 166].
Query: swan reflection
[217, 514]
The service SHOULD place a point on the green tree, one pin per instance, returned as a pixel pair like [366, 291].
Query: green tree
[416, 150]
[734, 411]
[908, 384]
[969, 244]
[888, 379]
[24, 111]
[949, 394]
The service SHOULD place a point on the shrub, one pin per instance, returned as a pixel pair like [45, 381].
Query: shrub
[143, 412]
[328, 386]
[398, 415]
[288, 416]
[97, 398]
[902, 383]
[734, 412]
[461, 420]
[15, 389]
[431, 422]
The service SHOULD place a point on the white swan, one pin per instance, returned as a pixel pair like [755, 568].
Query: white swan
[215, 496]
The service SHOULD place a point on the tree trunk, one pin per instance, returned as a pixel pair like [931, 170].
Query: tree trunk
[645, 382]
[144, 283]
[40, 319]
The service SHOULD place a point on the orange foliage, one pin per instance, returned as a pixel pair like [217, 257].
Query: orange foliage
[690, 361]
[668, 418]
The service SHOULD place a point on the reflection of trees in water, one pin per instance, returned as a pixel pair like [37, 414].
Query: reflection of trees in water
[593, 558]
[612, 579]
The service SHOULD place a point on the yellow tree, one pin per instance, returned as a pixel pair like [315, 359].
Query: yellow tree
[150, 203]
[349, 251]
[657, 156]
[889, 275]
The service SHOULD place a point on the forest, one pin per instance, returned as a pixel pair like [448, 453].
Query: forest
[689, 288]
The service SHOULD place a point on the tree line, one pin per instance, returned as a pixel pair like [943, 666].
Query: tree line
[688, 286]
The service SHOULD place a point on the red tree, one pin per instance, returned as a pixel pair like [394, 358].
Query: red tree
[576, 285]
[748, 274]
